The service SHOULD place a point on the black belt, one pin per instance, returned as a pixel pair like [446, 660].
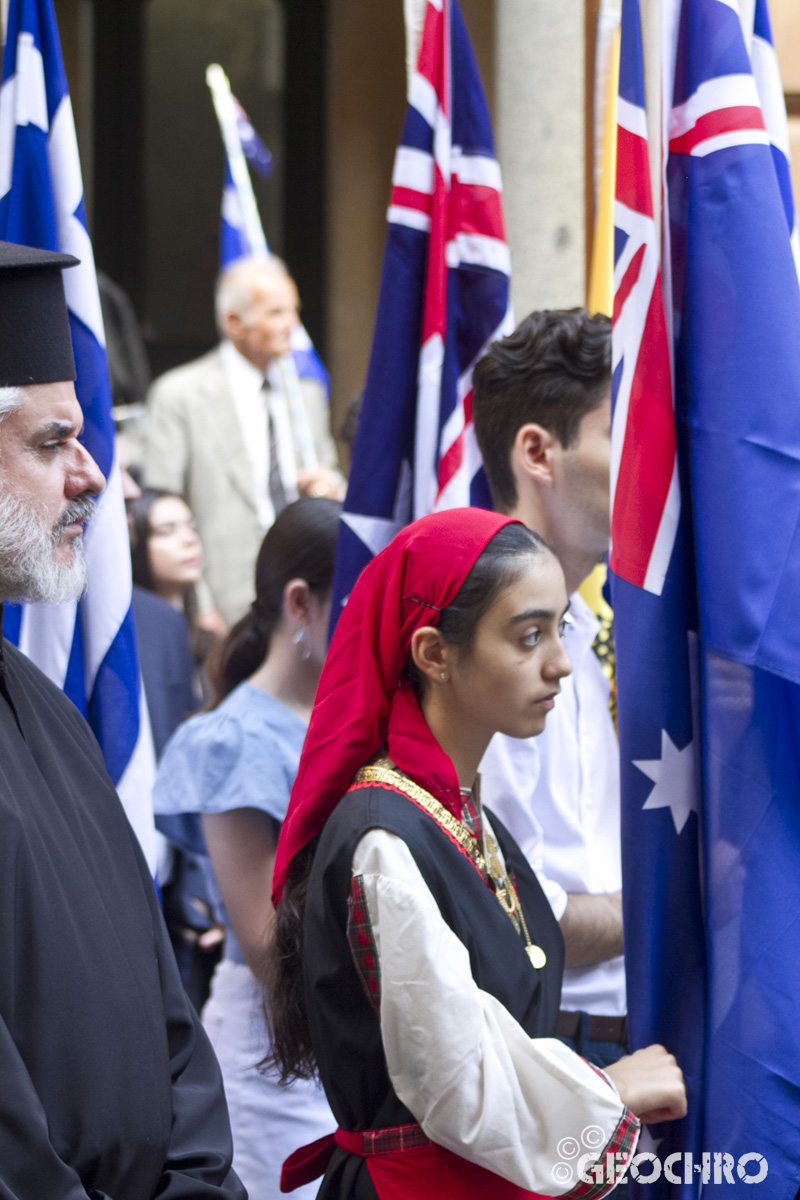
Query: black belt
[601, 1029]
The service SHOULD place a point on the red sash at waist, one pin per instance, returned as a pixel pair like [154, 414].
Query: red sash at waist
[403, 1164]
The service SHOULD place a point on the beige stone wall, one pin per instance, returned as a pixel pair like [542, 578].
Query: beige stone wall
[366, 90]
[785, 15]
[540, 133]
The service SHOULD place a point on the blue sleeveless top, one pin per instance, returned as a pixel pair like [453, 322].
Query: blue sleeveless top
[244, 754]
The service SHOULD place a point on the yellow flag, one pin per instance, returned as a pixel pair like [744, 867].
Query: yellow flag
[601, 299]
[601, 275]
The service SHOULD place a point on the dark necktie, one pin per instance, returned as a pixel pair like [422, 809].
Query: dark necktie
[277, 492]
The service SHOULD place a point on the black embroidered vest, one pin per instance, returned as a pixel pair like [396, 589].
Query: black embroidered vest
[345, 1026]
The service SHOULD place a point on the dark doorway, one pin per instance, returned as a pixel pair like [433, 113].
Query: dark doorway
[157, 156]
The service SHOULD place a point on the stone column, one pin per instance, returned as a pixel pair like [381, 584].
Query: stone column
[539, 129]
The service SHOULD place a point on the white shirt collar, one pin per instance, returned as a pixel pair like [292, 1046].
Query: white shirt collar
[245, 378]
[582, 626]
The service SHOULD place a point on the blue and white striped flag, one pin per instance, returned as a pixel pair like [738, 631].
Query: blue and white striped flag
[88, 647]
[234, 241]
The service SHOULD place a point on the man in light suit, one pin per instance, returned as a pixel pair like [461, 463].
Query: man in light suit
[227, 431]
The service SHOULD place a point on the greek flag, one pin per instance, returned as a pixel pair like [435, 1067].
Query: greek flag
[88, 647]
[235, 242]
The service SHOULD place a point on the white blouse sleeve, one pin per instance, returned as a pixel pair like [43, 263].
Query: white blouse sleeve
[473, 1079]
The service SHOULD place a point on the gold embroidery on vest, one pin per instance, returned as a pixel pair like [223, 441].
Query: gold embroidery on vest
[384, 771]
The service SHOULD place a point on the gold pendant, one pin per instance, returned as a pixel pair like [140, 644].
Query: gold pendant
[495, 867]
[537, 956]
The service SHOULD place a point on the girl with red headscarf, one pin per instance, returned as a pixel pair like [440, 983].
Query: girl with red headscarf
[417, 963]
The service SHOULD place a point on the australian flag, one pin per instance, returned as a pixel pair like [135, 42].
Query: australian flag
[88, 648]
[444, 296]
[706, 577]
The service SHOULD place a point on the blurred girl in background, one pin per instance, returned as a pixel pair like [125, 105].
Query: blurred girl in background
[167, 564]
[167, 558]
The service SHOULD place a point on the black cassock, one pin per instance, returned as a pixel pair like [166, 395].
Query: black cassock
[108, 1085]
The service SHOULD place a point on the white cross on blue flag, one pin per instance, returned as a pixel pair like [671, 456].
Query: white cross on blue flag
[235, 240]
[87, 648]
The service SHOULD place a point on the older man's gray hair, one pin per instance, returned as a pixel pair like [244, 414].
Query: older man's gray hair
[235, 286]
[10, 400]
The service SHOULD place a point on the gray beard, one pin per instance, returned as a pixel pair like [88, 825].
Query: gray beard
[28, 570]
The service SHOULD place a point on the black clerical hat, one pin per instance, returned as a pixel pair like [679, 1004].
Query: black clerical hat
[35, 342]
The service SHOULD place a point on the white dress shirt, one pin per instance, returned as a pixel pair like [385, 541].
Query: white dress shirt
[471, 1076]
[558, 794]
[253, 405]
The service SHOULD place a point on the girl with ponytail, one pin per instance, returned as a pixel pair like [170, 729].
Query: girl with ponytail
[234, 764]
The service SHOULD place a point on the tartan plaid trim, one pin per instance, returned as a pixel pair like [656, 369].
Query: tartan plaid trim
[612, 1163]
[362, 942]
[393, 1139]
[471, 817]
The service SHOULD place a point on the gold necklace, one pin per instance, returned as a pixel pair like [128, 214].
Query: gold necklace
[506, 893]
[384, 771]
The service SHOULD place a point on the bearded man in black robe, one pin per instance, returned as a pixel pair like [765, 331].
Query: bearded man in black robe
[108, 1086]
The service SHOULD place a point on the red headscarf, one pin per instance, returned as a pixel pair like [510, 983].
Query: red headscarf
[363, 701]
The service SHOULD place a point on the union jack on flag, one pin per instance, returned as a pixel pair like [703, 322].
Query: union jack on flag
[705, 579]
[645, 501]
[444, 296]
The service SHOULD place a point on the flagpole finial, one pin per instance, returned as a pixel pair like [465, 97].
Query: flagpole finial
[216, 77]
